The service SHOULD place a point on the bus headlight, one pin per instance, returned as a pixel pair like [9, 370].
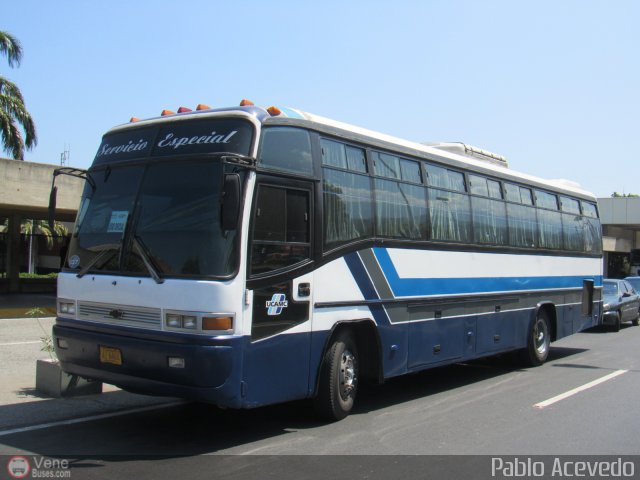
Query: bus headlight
[190, 322]
[173, 320]
[67, 307]
[199, 322]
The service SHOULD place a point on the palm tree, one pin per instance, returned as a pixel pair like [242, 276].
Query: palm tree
[14, 116]
[41, 227]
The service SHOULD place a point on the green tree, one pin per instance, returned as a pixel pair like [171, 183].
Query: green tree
[14, 117]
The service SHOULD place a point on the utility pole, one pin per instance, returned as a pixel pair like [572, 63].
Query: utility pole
[64, 156]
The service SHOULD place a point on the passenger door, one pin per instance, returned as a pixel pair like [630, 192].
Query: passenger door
[281, 283]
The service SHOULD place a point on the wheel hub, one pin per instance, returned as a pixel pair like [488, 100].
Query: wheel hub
[348, 377]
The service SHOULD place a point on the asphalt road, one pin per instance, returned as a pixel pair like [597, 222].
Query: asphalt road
[481, 408]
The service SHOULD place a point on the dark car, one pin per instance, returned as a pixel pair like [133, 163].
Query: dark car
[621, 303]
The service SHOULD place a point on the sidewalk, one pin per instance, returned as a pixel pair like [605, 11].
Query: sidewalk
[21, 404]
[16, 305]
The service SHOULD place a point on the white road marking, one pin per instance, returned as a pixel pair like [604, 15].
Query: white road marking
[73, 421]
[20, 343]
[582, 388]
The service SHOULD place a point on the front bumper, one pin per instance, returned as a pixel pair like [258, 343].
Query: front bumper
[211, 372]
[609, 317]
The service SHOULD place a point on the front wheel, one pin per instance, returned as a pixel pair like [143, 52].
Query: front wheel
[338, 383]
[538, 341]
[616, 324]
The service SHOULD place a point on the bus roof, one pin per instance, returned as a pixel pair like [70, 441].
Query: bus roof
[457, 152]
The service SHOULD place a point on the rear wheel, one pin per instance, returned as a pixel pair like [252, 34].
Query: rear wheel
[538, 341]
[338, 379]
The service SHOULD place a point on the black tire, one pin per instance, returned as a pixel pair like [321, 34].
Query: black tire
[338, 384]
[616, 325]
[538, 341]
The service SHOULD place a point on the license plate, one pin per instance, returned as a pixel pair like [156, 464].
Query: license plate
[110, 355]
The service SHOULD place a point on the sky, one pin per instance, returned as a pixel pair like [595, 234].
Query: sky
[553, 85]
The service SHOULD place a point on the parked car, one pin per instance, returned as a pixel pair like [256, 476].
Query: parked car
[621, 303]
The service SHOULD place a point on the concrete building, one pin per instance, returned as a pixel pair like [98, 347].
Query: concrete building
[621, 235]
[24, 195]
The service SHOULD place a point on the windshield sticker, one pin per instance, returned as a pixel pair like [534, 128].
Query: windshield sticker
[277, 303]
[118, 221]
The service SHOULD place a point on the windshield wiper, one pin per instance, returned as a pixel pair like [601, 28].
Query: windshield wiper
[146, 258]
[104, 256]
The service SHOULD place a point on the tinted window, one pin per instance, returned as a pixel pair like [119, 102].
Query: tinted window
[401, 210]
[589, 210]
[570, 205]
[337, 154]
[443, 178]
[573, 232]
[546, 200]
[523, 226]
[478, 185]
[450, 216]
[281, 229]
[386, 165]
[518, 194]
[286, 149]
[347, 207]
[549, 229]
[489, 221]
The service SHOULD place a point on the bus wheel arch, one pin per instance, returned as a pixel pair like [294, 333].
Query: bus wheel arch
[351, 354]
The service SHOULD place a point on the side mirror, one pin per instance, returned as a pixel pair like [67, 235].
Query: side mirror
[230, 210]
[52, 206]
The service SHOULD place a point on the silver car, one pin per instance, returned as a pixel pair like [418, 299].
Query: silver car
[621, 303]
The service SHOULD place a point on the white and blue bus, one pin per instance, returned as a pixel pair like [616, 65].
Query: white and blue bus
[247, 256]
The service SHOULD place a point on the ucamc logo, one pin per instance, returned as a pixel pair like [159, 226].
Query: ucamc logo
[277, 303]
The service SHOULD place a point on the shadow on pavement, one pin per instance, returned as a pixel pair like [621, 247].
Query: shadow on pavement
[197, 429]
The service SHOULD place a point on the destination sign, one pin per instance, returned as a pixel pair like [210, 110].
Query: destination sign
[184, 137]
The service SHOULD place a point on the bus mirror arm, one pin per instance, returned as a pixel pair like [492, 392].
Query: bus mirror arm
[73, 172]
[52, 206]
[230, 202]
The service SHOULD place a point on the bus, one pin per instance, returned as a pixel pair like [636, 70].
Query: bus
[247, 256]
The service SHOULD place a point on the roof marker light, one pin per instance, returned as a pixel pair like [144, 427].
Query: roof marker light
[167, 112]
[134, 119]
[202, 106]
[184, 110]
[274, 111]
[246, 103]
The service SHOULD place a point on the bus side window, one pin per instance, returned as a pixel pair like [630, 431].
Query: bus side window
[280, 229]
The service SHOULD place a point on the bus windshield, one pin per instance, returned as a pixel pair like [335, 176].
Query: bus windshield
[158, 219]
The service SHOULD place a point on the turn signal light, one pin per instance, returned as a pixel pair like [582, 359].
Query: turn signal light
[217, 323]
[167, 112]
[274, 111]
[202, 106]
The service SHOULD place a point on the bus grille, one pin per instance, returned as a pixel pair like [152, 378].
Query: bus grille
[141, 317]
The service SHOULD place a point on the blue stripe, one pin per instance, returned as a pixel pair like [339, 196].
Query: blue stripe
[409, 287]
